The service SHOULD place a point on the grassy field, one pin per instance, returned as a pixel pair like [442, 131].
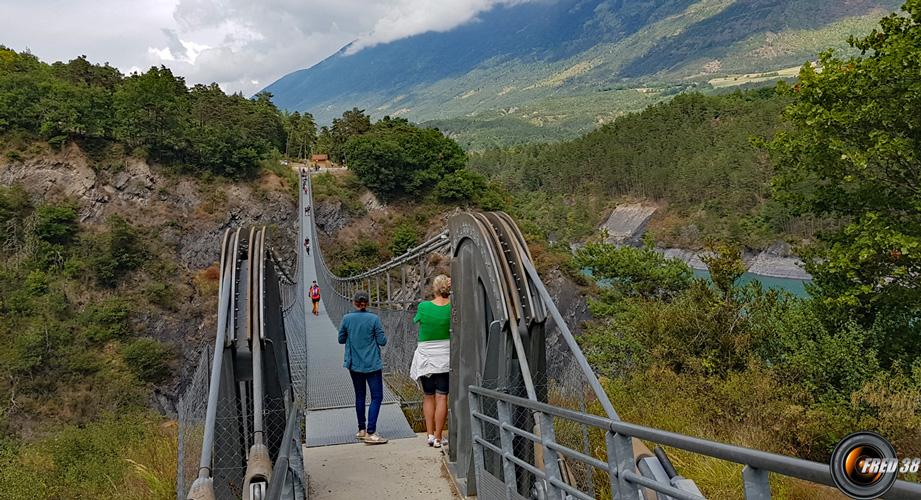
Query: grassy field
[750, 78]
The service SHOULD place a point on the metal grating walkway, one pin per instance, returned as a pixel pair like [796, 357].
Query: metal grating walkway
[328, 396]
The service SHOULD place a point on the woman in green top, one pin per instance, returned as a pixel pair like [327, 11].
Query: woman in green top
[432, 359]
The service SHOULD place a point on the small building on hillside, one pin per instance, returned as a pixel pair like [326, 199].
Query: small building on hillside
[321, 161]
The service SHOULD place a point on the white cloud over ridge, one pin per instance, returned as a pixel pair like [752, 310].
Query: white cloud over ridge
[241, 44]
[412, 17]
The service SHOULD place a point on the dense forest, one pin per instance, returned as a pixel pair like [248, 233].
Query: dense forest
[153, 114]
[693, 154]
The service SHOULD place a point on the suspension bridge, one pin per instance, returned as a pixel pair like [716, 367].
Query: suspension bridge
[272, 392]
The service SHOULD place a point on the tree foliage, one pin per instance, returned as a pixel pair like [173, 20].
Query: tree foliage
[853, 155]
[396, 158]
[693, 152]
[634, 272]
[152, 112]
[301, 132]
[332, 140]
[148, 112]
[461, 186]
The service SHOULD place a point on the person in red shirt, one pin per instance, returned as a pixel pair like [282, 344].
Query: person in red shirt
[314, 293]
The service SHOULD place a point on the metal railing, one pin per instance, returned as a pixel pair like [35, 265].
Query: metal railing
[286, 481]
[620, 462]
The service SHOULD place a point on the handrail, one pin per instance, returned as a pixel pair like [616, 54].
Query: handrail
[788, 466]
[593, 381]
[258, 335]
[226, 291]
[282, 463]
[203, 486]
[437, 242]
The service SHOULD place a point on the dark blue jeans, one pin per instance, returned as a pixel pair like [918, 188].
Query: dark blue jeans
[375, 382]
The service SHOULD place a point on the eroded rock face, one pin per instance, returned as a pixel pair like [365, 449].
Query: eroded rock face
[573, 306]
[331, 216]
[63, 174]
[188, 215]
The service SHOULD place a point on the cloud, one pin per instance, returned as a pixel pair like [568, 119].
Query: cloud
[242, 45]
[412, 17]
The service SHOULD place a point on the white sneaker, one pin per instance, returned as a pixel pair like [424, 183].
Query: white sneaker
[374, 439]
[431, 440]
[437, 444]
[361, 434]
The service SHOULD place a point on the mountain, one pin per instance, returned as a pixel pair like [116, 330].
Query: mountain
[551, 68]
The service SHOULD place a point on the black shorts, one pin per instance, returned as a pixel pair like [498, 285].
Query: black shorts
[315, 300]
[434, 383]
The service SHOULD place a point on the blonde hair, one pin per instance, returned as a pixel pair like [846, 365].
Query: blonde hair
[441, 285]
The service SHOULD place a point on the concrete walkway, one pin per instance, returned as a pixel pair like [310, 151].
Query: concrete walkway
[400, 469]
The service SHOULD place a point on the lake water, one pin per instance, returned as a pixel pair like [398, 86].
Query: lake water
[794, 286]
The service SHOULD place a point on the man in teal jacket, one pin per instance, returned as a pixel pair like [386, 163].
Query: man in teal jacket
[363, 335]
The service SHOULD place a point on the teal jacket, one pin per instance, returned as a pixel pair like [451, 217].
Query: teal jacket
[363, 335]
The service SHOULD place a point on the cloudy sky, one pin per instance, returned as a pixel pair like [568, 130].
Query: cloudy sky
[242, 44]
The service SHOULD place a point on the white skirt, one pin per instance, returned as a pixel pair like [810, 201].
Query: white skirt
[431, 357]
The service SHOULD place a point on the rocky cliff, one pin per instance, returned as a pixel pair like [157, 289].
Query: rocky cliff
[185, 215]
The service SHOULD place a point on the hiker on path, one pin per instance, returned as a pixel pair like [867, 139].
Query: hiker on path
[307, 246]
[363, 335]
[432, 359]
[314, 293]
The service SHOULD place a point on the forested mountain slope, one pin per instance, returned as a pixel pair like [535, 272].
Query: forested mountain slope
[566, 65]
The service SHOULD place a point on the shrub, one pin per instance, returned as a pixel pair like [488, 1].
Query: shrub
[120, 251]
[208, 281]
[148, 359]
[461, 186]
[404, 238]
[37, 283]
[491, 200]
[14, 205]
[70, 462]
[56, 224]
[367, 249]
[107, 320]
[635, 272]
[161, 294]
[396, 158]
[29, 351]
[349, 268]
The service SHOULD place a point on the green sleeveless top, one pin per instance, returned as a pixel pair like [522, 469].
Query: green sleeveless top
[434, 321]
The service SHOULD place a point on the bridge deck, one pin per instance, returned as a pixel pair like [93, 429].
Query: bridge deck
[330, 400]
[404, 469]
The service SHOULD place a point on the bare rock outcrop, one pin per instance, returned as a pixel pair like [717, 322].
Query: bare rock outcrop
[627, 223]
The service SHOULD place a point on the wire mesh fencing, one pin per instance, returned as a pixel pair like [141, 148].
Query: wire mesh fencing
[296, 339]
[191, 422]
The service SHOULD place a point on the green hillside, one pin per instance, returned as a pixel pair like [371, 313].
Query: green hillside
[552, 70]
